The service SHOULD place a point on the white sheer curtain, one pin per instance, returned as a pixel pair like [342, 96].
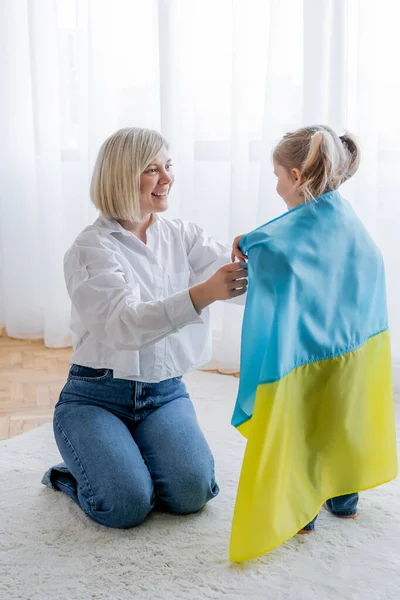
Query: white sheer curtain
[223, 80]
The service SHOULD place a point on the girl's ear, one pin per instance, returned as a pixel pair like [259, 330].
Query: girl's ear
[296, 175]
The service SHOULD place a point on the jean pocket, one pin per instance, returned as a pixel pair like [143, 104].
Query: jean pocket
[80, 373]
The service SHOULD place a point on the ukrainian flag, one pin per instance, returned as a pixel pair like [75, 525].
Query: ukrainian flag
[315, 395]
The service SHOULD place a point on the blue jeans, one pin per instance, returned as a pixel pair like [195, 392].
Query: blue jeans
[342, 506]
[128, 446]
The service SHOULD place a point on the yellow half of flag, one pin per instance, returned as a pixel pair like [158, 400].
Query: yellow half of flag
[316, 433]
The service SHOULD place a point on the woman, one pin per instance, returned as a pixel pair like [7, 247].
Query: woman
[140, 287]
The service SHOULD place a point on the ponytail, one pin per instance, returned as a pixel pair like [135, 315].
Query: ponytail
[320, 168]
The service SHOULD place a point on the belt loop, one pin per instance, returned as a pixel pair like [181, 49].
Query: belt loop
[137, 392]
[134, 383]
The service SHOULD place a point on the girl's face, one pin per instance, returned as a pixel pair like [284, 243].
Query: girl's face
[155, 184]
[288, 185]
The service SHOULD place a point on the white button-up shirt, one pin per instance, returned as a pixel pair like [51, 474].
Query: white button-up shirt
[131, 308]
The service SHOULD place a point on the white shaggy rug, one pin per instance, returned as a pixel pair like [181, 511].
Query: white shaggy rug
[49, 550]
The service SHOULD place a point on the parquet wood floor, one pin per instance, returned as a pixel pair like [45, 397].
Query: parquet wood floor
[31, 377]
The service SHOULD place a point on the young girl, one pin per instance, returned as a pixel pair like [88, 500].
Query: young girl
[315, 394]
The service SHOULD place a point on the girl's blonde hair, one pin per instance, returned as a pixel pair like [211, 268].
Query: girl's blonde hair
[324, 159]
[115, 185]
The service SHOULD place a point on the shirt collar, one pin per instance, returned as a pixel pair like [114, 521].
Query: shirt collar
[109, 225]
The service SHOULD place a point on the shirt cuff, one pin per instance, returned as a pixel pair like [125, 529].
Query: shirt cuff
[181, 311]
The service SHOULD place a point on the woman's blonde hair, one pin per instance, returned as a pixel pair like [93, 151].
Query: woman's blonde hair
[324, 159]
[115, 185]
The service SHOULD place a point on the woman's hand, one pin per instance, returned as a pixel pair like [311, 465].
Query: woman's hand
[236, 251]
[228, 282]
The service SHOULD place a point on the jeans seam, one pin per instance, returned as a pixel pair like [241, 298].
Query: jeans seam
[94, 379]
[68, 441]
[61, 483]
[345, 513]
